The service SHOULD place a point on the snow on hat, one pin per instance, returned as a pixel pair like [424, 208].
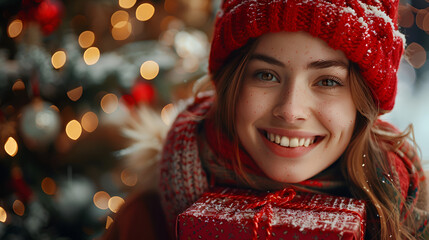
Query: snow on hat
[365, 30]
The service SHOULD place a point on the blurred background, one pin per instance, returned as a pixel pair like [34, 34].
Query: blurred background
[74, 72]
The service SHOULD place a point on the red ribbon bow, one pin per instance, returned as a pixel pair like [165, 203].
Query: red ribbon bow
[279, 198]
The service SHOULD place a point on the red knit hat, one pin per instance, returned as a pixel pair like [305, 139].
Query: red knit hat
[365, 30]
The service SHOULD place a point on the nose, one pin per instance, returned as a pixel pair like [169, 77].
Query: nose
[293, 104]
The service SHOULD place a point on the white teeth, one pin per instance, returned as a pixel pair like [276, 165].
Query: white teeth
[284, 142]
[307, 142]
[293, 142]
[277, 139]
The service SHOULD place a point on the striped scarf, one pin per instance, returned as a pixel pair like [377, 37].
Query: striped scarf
[193, 160]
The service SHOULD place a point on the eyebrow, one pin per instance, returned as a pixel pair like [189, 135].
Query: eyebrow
[319, 64]
[267, 59]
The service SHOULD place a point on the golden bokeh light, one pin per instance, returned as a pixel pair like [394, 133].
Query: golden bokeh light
[426, 22]
[86, 39]
[145, 12]
[121, 30]
[149, 70]
[55, 108]
[58, 59]
[101, 200]
[11, 146]
[420, 16]
[18, 207]
[15, 28]
[115, 203]
[127, 3]
[91, 55]
[109, 222]
[109, 103]
[406, 16]
[166, 113]
[49, 186]
[75, 93]
[73, 129]
[3, 215]
[119, 16]
[89, 121]
[415, 54]
[129, 177]
[18, 86]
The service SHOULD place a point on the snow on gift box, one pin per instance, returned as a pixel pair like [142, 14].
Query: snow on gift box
[226, 213]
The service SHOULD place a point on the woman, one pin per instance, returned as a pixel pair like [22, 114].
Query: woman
[299, 89]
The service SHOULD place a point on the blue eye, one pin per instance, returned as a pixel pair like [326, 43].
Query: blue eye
[266, 76]
[329, 83]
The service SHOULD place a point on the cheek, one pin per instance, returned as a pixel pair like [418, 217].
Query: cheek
[251, 104]
[338, 117]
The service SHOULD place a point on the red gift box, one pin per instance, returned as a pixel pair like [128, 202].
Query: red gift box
[226, 213]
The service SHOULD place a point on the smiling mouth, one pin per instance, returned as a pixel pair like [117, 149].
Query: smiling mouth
[291, 142]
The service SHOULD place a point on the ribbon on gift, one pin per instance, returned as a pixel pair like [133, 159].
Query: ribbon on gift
[281, 199]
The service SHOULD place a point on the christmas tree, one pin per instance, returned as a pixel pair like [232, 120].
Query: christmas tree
[72, 73]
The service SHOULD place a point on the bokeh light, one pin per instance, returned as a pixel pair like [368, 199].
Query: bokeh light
[415, 54]
[73, 129]
[11, 146]
[89, 121]
[145, 11]
[127, 3]
[121, 30]
[119, 16]
[18, 207]
[426, 22]
[18, 86]
[109, 222]
[49, 186]
[406, 16]
[109, 103]
[86, 39]
[75, 93]
[420, 17]
[167, 113]
[91, 55]
[58, 59]
[3, 215]
[149, 70]
[101, 200]
[14, 28]
[115, 203]
[129, 177]
[55, 108]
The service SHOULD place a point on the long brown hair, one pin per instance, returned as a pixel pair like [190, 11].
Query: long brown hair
[367, 168]
[364, 161]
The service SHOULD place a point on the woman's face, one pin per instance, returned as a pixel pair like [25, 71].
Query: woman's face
[295, 114]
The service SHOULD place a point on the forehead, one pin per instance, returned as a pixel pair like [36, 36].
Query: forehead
[291, 44]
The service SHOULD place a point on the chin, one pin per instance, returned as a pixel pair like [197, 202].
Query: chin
[289, 178]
